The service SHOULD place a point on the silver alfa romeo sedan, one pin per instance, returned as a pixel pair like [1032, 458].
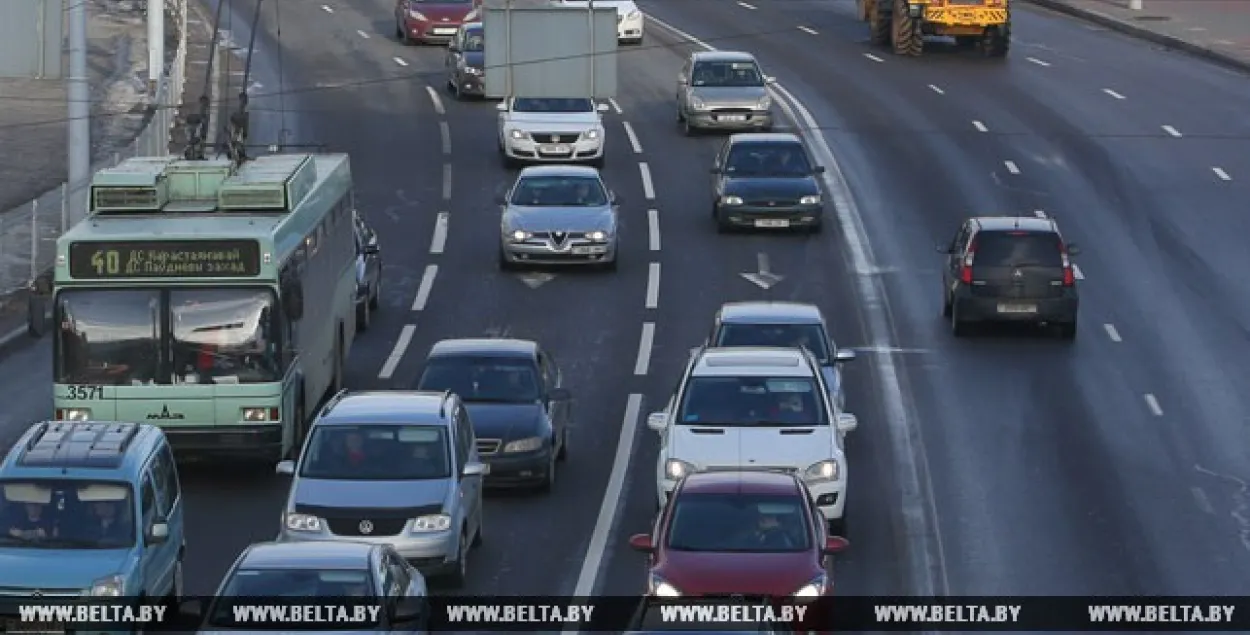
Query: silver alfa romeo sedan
[556, 215]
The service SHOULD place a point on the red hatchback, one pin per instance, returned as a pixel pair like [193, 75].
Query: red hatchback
[432, 21]
[739, 533]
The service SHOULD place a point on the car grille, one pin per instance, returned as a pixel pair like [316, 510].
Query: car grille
[750, 468]
[769, 202]
[731, 111]
[567, 236]
[553, 137]
[378, 526]
[386, 521]
[487, 447]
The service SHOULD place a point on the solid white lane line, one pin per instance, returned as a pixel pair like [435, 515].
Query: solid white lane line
[648, 188]
[397, 353]
[423, 291]
[644, 348]
[439, 241]
[1039, 213]
[362, 34]
[653, 285]
[444, 131]
[1077, 273]
[327, 9]
[1012, 167]
[873, 57]
[438, 101]
[1112, 333]
[1113, 93]
[653, 229]
[400, 61]
[613, 497]
[980, 126]
[1172, 131]
[446, 181]
[1222, 174]
[1037, 61]
[808, 31]
[936, 89]
[615, 106]
[1153, 404]
[633, 138]
[746, 6]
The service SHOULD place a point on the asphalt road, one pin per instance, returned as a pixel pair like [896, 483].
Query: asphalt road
[1008, 463]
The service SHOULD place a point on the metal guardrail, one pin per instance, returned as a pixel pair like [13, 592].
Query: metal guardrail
[28, 232]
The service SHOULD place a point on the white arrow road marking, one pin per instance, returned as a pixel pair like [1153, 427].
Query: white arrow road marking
[536, 279]
[763, 277]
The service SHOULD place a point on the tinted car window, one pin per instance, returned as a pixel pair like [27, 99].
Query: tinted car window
[553, 104]
[767, 159]
[245, 585]
[752, 401]
[739, 523]
[559, 191]
[473, 41]
[378, 453]
[483, 379]
[809, 336]
[1006, 249]
[728, 74]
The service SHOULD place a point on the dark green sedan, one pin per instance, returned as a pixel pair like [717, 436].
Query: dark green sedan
[766, 181]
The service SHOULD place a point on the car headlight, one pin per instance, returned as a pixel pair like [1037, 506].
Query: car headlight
[731, 200]
[528, 444]
[110, 586]
[677, 468]
[810, 200]
[593, 133]
[76, 414]
[473, 70]
[766, 102]
[659, 586]
[822, 471]
[433, 522]
[598, 237]
[633, 15]
[417, 15]
[813, 589]
[302, 522]
[517, 134]
[697, 103]
[519, 236]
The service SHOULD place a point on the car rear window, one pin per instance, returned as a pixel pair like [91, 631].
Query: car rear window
[1015, 248]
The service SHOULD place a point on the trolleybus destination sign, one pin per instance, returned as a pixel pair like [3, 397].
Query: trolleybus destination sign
[106, 260]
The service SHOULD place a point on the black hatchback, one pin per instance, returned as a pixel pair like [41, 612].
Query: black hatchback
[1009, 269]
[765, 180]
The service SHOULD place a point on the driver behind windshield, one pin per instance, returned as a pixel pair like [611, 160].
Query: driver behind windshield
[108, 524]
[768, 533]
[31, 522]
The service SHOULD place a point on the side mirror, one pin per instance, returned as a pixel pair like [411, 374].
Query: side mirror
[372, 249]
[603, 108]
[847, 422]
[641, 542]
[475, 469]
[820, 169]
[37, 315]
[560, 394]
[408, 609]
[1074, 249]
[158, 533]
[942, 249]
[617, 199]
[844, 355]
[657, 421]
[836, 544]
[285, 468]
[191, 609]
[502, 106]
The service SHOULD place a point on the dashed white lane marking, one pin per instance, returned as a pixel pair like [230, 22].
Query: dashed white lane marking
[980, 126]
[1172, 131]
[1112, 333]
[1040, 213]
[1077, 273]
[397, 353]
[611, 499]
[633, 138]
[1153, 404]
[444, 131]
[808, 31]
[936, 89]
[653, 229]
[1221, 173]
[423, 290]
[1012, 167]
[1113, 93]
[327, 9]
[644, 348]
[1037, 61]
[438, 101]
[615, 106]
[653, 285]
[439, 241]
[362, 34]
[1202, 501]
[446, 181]
[873, 57]
[400, 61]
[648, 188]
[746, 6]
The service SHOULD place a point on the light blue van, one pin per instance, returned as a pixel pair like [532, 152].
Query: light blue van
[91, 508]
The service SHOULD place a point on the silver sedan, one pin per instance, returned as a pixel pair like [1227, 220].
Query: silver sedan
[558, 214]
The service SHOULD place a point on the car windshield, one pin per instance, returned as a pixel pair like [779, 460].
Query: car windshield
[473, 41]
[745, 523]
[752, 401]
[223, 336]
[726, 74]
[67, 514]
[1017, 249]
[245, 585]
[553, 104]
[377, 453]
[809, 336]
[559, 191]
[782, 160]
[482, 379]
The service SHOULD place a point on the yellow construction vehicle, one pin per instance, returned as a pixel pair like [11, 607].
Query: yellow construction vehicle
[903, 24]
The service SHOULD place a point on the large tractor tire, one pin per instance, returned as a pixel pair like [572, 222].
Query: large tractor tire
[908, 39]
[997, 41]
[879, 21]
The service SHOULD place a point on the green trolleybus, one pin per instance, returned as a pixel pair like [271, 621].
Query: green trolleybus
[212, 300]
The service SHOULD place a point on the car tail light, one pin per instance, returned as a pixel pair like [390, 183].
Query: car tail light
[1069, 275]
[965, 267]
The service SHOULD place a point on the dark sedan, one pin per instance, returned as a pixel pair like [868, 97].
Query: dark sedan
[368, 273]
[520, 412]
[466, 62]
[766, 181]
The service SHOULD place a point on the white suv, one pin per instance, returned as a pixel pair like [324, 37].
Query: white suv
[755, 408]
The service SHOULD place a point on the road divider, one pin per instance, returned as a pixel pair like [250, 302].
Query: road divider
[397, 353]
[763, 276]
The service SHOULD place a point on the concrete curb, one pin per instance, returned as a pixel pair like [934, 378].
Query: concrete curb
[1169, 41]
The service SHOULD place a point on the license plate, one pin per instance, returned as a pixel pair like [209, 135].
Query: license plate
[557, 149]
[1017, 308]
[14, 625]
[965, 16]
[581, 251]
[444, 31]
[772, 223]
[731, 117]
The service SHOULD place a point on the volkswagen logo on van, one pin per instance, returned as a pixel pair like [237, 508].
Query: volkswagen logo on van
[366, 527]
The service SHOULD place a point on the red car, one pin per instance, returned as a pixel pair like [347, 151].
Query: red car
[432, 21]
[739, 533]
